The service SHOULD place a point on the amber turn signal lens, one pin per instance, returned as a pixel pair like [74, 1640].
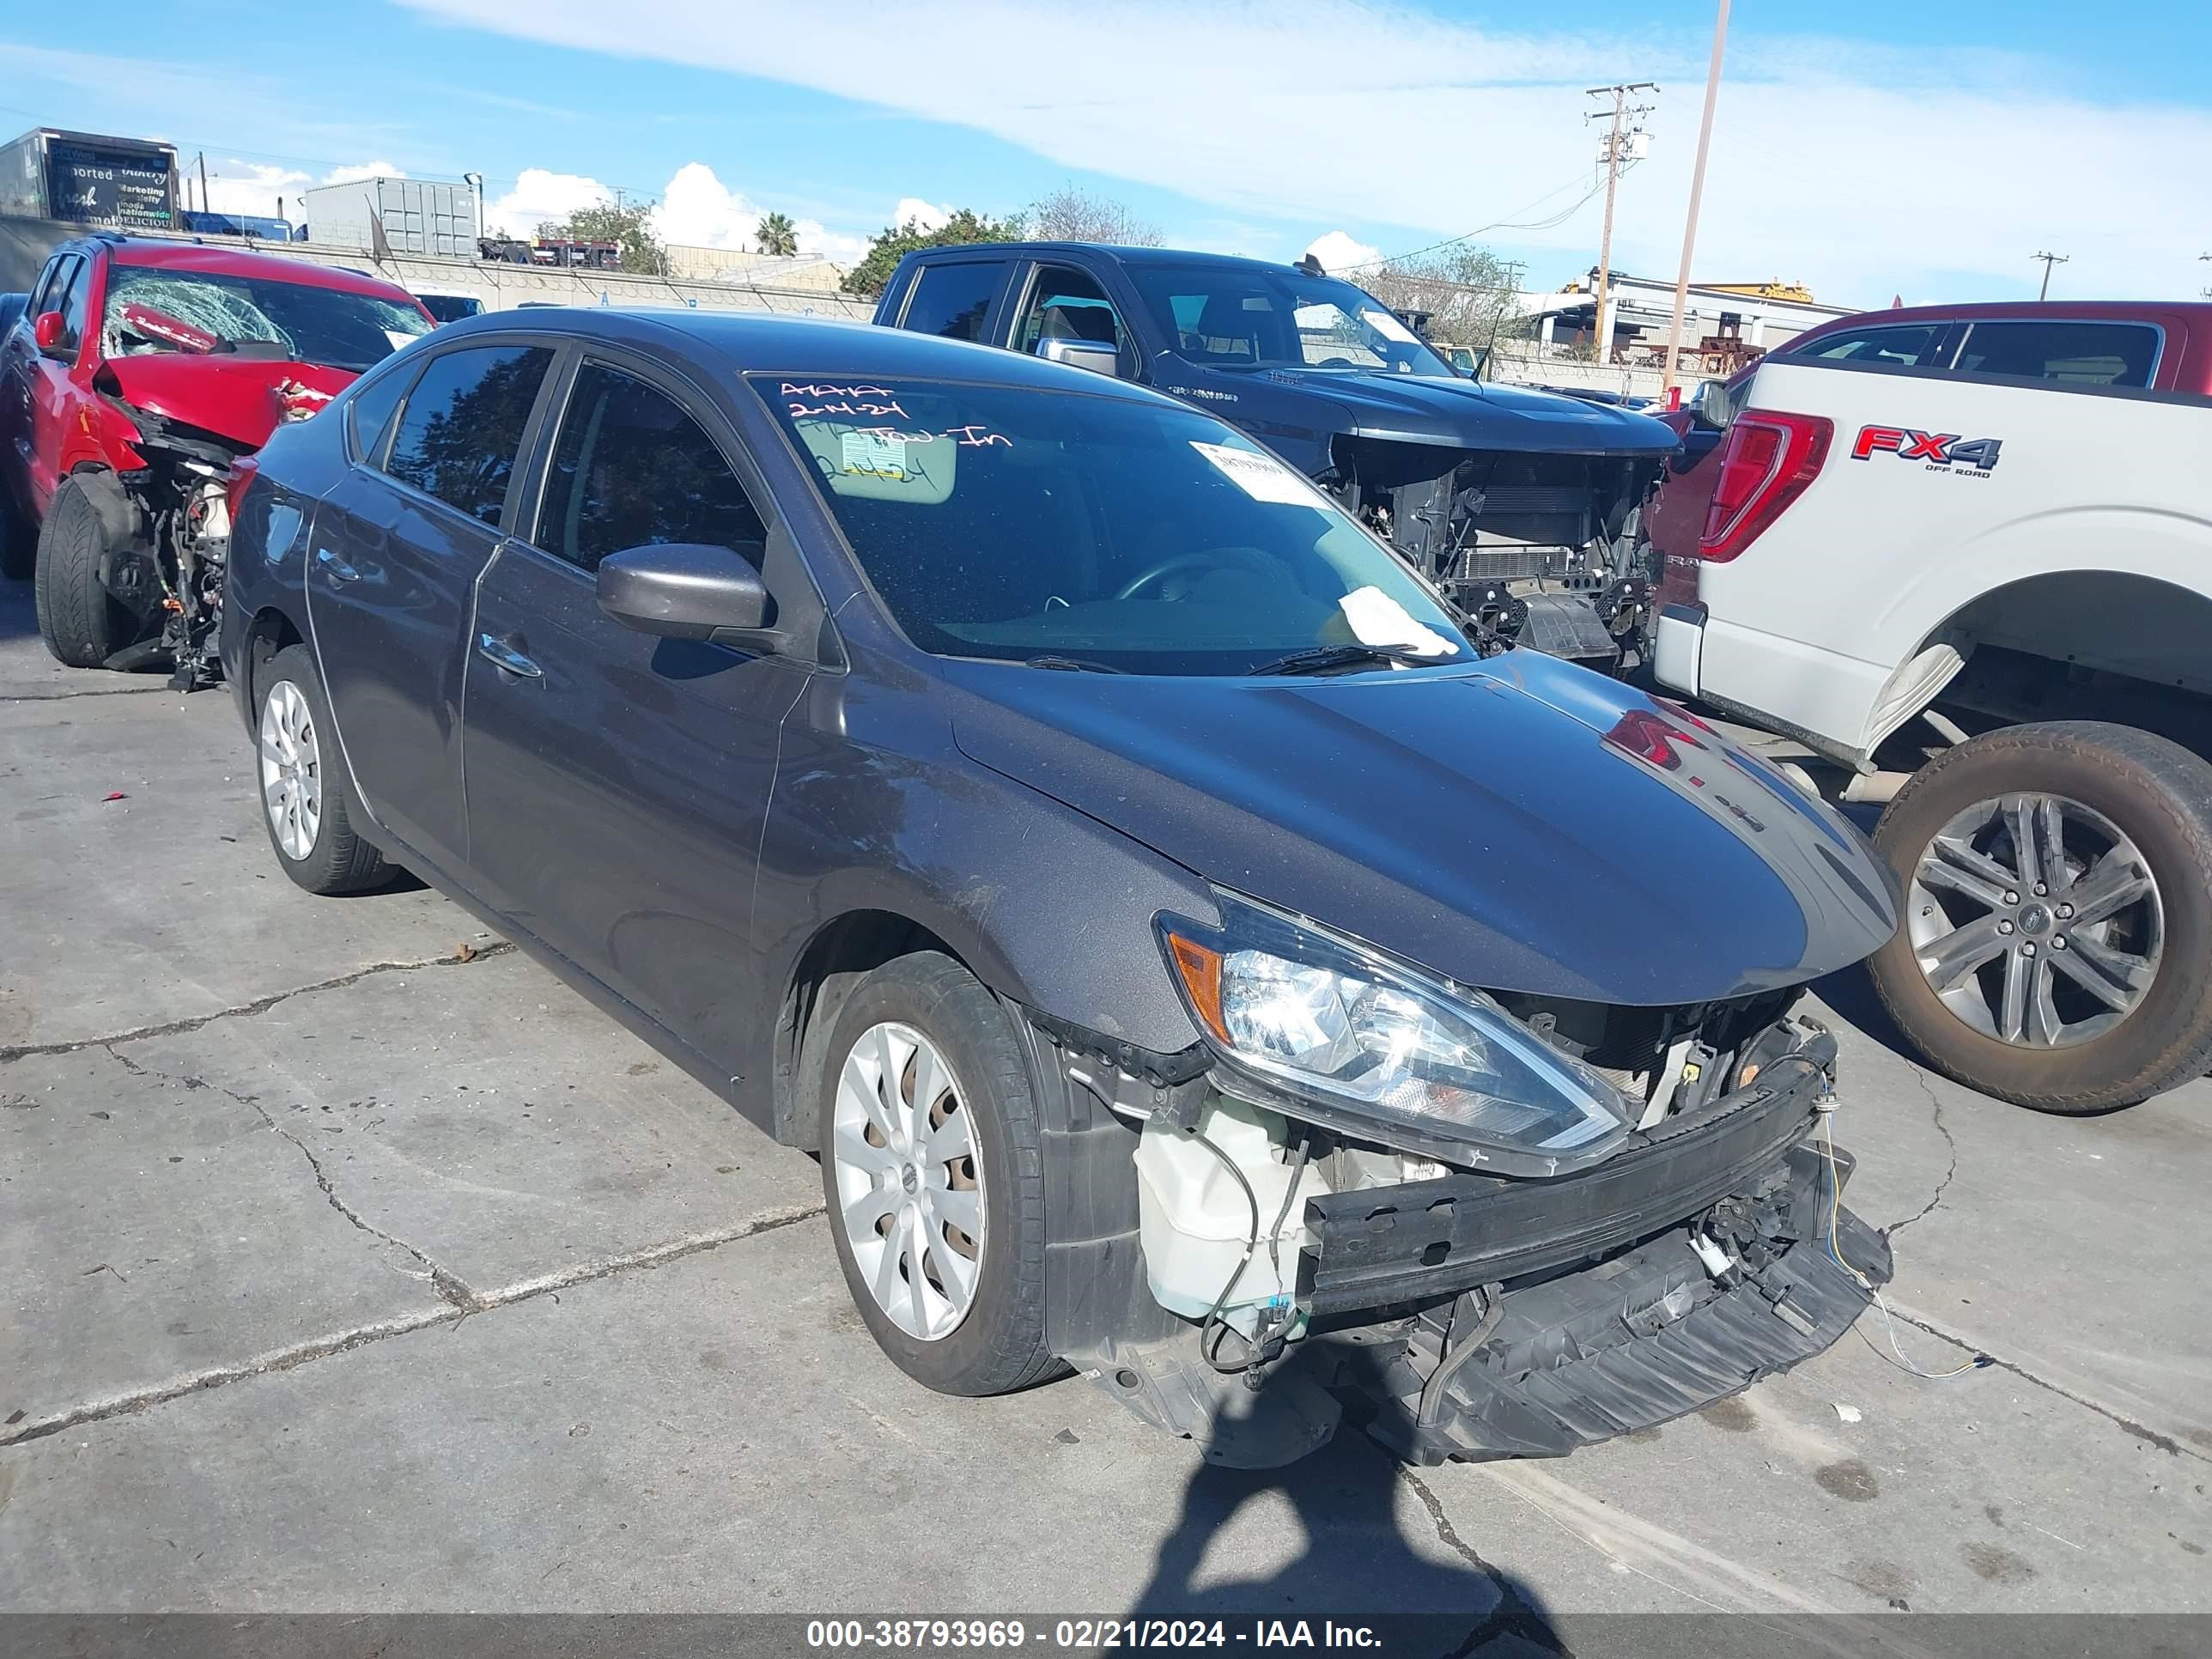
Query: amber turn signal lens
[1201, 976]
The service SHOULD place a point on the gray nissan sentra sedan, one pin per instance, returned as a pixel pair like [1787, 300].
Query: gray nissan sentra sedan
[1193, 960]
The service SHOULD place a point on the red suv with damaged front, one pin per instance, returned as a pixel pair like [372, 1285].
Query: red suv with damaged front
[140, 373]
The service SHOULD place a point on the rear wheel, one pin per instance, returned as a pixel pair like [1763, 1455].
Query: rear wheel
[304, 804]
[79, 621]
[2056, 950]
[932, 1168]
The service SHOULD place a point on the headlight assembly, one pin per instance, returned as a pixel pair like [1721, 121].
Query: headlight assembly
[1321, 1027]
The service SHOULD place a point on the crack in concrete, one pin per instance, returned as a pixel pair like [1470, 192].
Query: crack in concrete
[1513, 1615]
[337, 1342]
[73, 696]
[448, 1283]
[258, 1006]
[1936, 1106]
[2142, 1432]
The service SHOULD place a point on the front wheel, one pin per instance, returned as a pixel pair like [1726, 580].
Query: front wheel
[82, 622]
[2057, 949]
[934, 1176]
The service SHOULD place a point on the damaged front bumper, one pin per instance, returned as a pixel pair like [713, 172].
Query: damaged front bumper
[1478, 1317]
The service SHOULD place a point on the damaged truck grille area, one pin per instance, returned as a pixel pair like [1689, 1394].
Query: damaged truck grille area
[1546, 549]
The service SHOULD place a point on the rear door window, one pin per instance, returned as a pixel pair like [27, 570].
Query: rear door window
[2073, 353]
[952, 299]
[1914, 345]
[463, 423]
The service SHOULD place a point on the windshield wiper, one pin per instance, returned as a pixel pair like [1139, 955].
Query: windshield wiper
[1320, 659]
[1073, 665]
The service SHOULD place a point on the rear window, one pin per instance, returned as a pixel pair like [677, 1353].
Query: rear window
[952, 299]
[2077, 354]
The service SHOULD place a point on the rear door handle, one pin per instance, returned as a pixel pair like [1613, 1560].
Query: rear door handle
[494, 649]
[339, 570]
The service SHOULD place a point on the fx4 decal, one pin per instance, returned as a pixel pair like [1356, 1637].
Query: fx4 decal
[1936, 449]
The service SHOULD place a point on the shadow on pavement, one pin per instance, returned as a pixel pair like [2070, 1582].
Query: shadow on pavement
[1356, 1565]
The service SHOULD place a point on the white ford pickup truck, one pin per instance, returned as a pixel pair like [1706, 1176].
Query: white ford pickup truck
[1974, 545]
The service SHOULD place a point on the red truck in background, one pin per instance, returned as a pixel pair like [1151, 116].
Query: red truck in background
[2035, 341]
[138, 373]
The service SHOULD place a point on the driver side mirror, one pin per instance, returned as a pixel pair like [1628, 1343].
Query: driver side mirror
[1709, 404]
[684, 591]
[48, 331]
[1093, 354]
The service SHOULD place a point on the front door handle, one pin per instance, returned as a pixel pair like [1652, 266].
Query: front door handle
[339, 570]
[494, 649]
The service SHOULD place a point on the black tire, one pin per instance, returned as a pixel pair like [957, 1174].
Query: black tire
[2159, 796]
[338, 860]
[999, 1347]
[19, 544]
[79, 621]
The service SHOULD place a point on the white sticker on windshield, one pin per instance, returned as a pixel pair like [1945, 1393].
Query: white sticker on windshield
[875, 455]
[400, 341]
[1261, 477]
[1375, 618]
[1389, 327]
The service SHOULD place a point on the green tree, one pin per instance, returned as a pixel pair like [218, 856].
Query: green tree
[775, 233]
[629, 227]
[868, 277]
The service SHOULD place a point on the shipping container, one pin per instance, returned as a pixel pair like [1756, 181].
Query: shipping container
[90, 178]
[378, 216]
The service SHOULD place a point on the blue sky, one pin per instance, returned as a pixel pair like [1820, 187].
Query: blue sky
[1864, 150]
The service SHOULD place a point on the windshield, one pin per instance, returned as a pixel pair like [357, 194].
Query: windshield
[152, 310]
[1100, 531]
[1249, 317]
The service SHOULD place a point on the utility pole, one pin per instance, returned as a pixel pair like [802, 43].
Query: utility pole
[2205, 293]
[1613, 158]
[1697, 195]
[204, 199]
[2049, 261]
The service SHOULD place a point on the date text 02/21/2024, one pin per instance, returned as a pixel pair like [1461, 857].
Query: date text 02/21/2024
[1082, 1635]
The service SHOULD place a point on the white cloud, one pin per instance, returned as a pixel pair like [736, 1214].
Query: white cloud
[913, 210]
[240, 186]
[1857, 170]
[838, 246]
[540, 195]
[698, 209]
[1340, 252]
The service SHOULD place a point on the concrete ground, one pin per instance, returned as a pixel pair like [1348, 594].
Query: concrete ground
[351, 1263]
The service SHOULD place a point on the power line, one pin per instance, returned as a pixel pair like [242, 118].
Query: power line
[1546, 223]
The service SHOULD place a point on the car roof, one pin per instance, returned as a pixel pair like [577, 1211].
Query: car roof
[209, 259]
[1123, 254]
[743, 341]
[2057, 311]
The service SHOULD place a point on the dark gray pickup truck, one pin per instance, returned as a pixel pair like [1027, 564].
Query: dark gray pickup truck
[1523, 506]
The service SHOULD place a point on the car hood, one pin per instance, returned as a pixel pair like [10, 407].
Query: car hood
[238, 399]
[1479, 822]
[1477, 415]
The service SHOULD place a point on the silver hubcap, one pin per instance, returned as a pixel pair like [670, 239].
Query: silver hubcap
[291, 770]
[909, 1184]
[2036, 921]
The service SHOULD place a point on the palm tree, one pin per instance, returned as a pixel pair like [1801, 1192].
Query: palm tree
[775, 233]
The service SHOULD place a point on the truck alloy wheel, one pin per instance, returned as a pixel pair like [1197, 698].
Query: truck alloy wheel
[2065, 928]
[2056, 948]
